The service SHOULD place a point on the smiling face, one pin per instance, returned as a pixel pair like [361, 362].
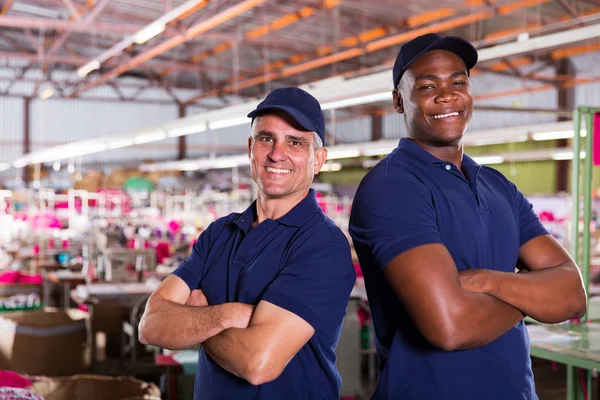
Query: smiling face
[435, 98]
[283, 157]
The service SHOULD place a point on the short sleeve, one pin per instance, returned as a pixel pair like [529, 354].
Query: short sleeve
[192, 269]
[530, 225]
[316, 284]
[392, 215]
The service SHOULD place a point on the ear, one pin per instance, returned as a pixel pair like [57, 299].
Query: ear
[320, 158]
[249, 146]
[398, 103]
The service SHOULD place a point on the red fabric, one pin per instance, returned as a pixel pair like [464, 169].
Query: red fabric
[45, 220]
[596, 139]
[13, 380]
[547, 216]
[162, 251]
[30, 279]
[174, 226]
[9, 277]
[14, 277]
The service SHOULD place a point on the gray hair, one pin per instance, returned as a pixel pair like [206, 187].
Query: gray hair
[318, 142]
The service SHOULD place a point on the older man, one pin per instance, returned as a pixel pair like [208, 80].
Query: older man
[264, 291]
[438, 238]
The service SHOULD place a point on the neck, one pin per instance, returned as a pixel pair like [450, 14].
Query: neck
[452, 153]
[274, 208]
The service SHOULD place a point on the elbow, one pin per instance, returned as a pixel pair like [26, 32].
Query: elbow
[577, 301]
[579, 305]
[146, 328]
[445, 342]
[445, 337]
[262, 370]
[143, 334]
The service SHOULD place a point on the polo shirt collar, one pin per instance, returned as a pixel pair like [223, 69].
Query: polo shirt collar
[297, 216]
[419, 154]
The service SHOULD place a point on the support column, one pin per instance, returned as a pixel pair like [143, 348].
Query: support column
[566, 101]
[182, 142]
[26, 135]
[376, 125]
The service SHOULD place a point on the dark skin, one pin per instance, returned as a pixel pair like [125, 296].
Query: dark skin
[468, 309]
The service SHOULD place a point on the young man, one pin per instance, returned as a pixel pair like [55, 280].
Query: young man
[264, 291]
[438, 238]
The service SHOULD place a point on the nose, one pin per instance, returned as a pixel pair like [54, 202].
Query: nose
[445, 95]
[277, 153]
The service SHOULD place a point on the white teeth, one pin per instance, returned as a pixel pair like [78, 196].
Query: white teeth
[453, 114]
[279, 170]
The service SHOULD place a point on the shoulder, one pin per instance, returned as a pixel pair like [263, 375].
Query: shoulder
[218, 226]
[320, 230]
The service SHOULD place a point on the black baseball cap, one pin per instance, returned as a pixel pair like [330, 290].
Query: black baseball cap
[410, 51]
[302, 106]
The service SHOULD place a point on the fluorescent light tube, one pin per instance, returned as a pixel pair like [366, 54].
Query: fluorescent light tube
[46, 93]
[228, 122]
[87, 68]
[331, 167]
[566, 155]
[336, 154]
[489, 160]
[187, 130]
[147, 33]
[149, 137]
[377, 151]
[552, 135]
[120, 143]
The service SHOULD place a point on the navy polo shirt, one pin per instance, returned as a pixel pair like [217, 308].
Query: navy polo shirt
[412, 198]
[300, 262]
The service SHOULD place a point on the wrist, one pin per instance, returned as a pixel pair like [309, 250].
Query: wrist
[223, 316]
[489, 282]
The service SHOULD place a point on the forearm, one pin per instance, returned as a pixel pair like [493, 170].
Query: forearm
[175, 326]
[549, 295]
[239, 351]
[481, 319]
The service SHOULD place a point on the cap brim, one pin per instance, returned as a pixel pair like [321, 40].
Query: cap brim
[465, 50]
[294, 113]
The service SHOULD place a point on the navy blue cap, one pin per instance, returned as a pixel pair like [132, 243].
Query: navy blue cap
[303, 107]
[410, 51]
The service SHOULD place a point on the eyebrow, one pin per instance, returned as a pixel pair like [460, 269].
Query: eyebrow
[432, 77]
[288, 137]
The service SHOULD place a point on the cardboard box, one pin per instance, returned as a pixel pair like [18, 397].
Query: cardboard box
[47, 341]
[91, 181]
[95, 387]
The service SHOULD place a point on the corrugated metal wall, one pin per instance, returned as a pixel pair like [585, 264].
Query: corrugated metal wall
[54, 122]
[350, 130]
[231, 140]
[11, 130]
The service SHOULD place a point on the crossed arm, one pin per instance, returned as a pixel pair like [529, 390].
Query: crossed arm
[254, 343]
[552, 290]
[457, 311]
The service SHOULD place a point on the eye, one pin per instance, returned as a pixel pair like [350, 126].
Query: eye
[426, 87]
[295, 143]
[265, 139]
[460, 83]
